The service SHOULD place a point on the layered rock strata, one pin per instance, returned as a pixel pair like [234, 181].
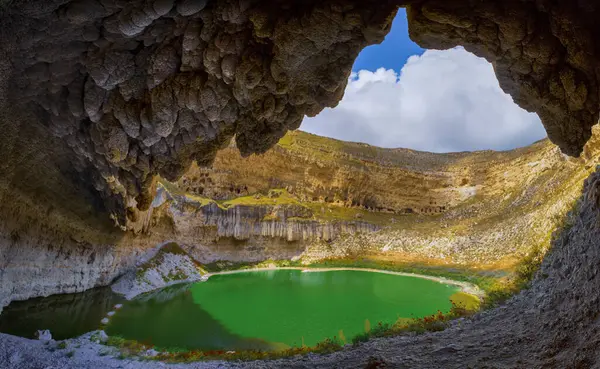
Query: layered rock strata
[463, 208]
[243, 233]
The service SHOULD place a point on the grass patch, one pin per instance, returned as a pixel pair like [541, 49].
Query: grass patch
[465, 301]
[128, 348]
[275, 197]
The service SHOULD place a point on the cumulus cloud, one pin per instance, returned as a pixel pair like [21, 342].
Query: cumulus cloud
[442, 101]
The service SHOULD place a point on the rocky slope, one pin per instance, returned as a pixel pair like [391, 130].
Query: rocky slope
[327, 198]
[552, 324]
[168, 265]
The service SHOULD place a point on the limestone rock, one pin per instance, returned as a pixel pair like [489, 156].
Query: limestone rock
[142, 63]
[44, 335]
[254, 70]
[168, 266]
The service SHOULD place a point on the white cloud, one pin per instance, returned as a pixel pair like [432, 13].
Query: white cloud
[442, 101]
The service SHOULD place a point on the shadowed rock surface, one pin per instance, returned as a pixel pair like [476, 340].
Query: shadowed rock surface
[135, 88]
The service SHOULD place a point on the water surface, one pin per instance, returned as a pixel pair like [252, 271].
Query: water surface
[66, 316]
[276, 308]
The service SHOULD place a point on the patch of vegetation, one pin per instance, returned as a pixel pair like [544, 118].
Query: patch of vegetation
[62, 345]
[70, 354]
[200, 200]
[286, 141]
[128, 348]
[275, 197]
[432, 323]
[465, 301]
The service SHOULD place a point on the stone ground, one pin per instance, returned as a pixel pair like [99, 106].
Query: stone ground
[553, 324]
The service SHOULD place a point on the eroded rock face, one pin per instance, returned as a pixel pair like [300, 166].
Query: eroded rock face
[138, 88]
[544, 54]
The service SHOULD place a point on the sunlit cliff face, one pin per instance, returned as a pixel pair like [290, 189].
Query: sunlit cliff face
[114, 92]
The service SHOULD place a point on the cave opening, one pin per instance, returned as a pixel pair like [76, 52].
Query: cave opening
[125, 125]
[400, 95]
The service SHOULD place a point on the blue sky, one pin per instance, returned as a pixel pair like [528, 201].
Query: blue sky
[400, 95]
[393, 52]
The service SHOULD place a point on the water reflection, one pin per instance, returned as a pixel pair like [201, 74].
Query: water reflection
[169, 318]
[66, 316]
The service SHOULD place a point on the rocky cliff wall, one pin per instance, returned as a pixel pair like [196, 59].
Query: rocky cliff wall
[462, 208]
[60, 252]
[400, 181]
[211, 232]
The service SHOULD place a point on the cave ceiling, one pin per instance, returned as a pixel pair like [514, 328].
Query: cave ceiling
[115, 92]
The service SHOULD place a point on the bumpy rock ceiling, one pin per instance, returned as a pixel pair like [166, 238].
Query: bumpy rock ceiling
[137, 88]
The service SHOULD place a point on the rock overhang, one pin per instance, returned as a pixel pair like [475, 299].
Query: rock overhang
[132, 89]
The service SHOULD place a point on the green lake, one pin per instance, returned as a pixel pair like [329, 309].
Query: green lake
[263, 310]
[276, 309]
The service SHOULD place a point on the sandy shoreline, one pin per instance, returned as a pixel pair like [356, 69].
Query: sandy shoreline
[465, 287]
